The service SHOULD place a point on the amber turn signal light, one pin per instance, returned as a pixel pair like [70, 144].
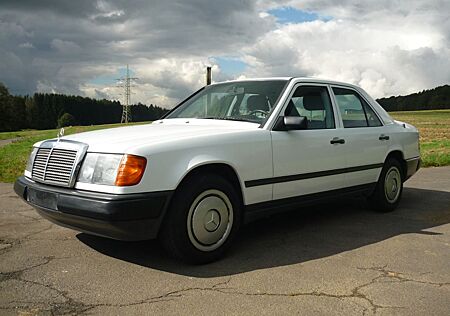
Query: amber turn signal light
[131, 170]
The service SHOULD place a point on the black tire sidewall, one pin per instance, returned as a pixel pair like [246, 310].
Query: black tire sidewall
[175, 229]
[378, 199]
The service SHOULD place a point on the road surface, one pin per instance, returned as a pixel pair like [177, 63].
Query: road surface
[336, 259]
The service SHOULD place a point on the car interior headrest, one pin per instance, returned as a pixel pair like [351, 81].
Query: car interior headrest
[257, 102]
[313, 103]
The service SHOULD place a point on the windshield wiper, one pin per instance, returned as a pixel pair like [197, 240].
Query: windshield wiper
[227, 118]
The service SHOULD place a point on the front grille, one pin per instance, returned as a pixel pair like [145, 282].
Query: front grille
[54, 166]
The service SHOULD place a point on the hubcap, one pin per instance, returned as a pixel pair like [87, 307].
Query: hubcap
[392, 184]
[210, 219]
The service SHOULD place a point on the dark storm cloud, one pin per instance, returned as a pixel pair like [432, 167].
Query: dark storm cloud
[42, 40]
[71, 8]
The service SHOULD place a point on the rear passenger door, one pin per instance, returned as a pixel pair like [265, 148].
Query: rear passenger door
[366, 145]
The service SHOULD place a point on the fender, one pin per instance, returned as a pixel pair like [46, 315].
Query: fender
[204, 160]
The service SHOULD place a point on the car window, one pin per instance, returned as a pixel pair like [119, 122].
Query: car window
[312, 102]
[251, 101]
[244, 107]
[372, 118]
[355, 112]
[218, 103]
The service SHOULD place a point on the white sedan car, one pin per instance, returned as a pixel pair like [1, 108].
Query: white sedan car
[229, 153]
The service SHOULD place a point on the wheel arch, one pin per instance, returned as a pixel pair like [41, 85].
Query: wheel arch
[225, 170]
[399, 156]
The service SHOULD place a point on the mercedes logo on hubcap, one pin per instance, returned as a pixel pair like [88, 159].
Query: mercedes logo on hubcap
[212, 220]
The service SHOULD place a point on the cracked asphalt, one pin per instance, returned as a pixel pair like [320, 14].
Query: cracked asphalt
[337, 258]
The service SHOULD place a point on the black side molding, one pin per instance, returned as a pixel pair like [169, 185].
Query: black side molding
[310, 175]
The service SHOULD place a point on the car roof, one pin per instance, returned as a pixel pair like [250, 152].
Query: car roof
[300, 79]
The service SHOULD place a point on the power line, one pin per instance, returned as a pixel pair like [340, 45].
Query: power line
[126, 84]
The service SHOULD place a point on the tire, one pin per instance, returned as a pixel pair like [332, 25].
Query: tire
[389, 188]
[203, 219]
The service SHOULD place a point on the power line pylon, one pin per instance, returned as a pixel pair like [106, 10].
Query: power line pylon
[126, 84]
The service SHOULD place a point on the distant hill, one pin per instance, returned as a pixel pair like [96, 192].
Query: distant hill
[433, 99]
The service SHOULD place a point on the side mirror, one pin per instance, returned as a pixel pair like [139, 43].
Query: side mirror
[288, 123]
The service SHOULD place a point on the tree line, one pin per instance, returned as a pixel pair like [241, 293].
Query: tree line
[48, 111]
[433, 99]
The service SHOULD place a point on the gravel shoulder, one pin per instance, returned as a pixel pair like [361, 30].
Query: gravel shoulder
[4, 142]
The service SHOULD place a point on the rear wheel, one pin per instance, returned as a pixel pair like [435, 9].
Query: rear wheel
[203, 219]
[389, 188]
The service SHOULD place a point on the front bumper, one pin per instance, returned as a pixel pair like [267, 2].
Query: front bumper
[135, 216]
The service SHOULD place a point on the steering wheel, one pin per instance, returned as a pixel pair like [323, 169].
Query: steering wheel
[265, 113]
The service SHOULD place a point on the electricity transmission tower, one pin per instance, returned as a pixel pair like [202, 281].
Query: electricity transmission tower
[126, 84]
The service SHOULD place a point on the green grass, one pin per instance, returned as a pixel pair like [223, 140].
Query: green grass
[52, 132]
[14, 156]
[435, 153]
[434, 129]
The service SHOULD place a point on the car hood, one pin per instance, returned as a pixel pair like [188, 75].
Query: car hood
[129, 138]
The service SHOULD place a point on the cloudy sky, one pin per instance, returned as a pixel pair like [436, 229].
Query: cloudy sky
[388, 47]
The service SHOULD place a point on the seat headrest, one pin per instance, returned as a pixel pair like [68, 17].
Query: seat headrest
[313, 103]
[257, 102]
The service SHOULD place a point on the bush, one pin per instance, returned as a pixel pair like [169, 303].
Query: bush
[66, 119]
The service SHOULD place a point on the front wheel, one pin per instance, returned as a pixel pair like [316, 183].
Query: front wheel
[388, 190]
[203, 219]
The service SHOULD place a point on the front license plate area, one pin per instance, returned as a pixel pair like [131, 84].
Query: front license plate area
[42, 198]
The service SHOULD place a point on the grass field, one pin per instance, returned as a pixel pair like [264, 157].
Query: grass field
[434, 127]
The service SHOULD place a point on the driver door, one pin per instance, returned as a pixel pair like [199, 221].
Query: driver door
[310, 160]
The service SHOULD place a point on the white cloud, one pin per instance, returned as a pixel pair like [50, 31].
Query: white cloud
[163, 81]
[389, 53]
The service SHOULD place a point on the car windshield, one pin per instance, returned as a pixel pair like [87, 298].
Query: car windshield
[250, 101]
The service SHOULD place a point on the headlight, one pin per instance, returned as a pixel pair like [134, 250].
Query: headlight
[112, 169]
[30, 161]
[100, 168]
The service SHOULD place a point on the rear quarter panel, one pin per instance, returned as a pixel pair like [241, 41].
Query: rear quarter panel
[404, 137]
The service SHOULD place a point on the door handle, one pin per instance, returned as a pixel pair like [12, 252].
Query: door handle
[337, 140]
[383, 137]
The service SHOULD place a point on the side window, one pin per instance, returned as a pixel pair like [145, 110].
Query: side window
[355, 112]
[312, 102]
[372, 118]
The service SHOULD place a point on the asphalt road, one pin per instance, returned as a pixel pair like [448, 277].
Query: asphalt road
[338, 259]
